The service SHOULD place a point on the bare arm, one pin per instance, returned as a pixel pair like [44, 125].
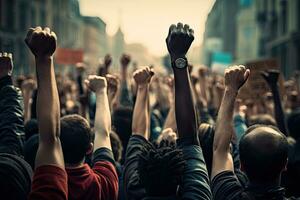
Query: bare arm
[141, 118]
[102, 127]
[235, 77]
[49, 151]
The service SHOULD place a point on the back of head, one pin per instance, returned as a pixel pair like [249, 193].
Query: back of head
[264, 119]
[160, 169]
[75, 138]
[30, 150]
[263, 153]
[15, 177]
[293, 124]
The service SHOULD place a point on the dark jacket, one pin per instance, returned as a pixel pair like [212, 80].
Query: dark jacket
[11, 118]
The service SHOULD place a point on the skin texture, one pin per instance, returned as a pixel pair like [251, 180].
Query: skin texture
[141, 118]
[42, 43]
[235, 77]
[178, 42]
[98, 84]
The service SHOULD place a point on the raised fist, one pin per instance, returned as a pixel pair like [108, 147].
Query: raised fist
[107, 60]
[271, 77]
[125, 60]
[29, 85]
[80, 68]
[6, 64]
[112, 83]
[143, 76]
[202, 71]
[235, 77]
[179, 40]
[96, 83]
[42, 43]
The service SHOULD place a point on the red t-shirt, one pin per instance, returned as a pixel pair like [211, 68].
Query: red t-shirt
[49, 182]
[98, 183]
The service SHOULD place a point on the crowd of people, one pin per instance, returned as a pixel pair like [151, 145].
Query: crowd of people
[145, 135]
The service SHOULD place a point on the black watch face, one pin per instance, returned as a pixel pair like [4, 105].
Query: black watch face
[180, 63]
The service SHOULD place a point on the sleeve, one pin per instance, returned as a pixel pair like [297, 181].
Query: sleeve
[133, 189]
[49, 182]
[104, 167]
[195, 183]
[11, 118]
[225, 186]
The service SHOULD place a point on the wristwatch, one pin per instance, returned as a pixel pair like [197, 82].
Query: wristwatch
[180, 63]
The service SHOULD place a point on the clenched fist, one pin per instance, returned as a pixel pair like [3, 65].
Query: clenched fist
[143, 76]
[179, 40]
[235, 77]
[112, 83]
[42, 43]
[6, 64]
[125, 60]
[96, 83]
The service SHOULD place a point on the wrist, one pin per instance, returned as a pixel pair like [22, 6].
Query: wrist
[101, 91]
[231, 91]
[43, 59]
[143, 86]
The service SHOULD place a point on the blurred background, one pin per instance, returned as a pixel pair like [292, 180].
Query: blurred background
[226, 31]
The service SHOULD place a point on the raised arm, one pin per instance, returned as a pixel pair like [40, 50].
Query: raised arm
[140, 120]
[42, 44]
[195, 181]
[235, 77]
[271, 78]
[178, 42]
[11, 111]
[124, 98]
[102, 125]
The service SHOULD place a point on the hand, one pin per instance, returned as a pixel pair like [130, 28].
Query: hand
[96, 83]
[194, 79]
[235, 77]
[125, 60]
[6, 64]
[107, 60]
[179, 40]
[42, 43]
[143, 76]
[271, 77]
[28, 85]
[112, 83]
[80, 68]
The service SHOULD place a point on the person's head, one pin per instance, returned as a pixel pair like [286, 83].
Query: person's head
[263, 153]
[264, 119]
[116, 146]
[31, 128]
[76, 138]
[293, 124]
[15, 177]
[160, 169]
[30, 149]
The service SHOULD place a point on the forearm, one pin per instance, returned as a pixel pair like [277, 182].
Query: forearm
[279, 113]
[140, 120]
[224, 125]
[27, 108]
[48, 116]
[124, 98]
[102, 120]
[184, 106]
[171, 119]
[203, 88]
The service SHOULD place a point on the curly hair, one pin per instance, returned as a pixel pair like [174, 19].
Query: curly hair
[160, 168]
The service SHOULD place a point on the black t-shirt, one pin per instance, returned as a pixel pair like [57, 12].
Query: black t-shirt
[226, 186]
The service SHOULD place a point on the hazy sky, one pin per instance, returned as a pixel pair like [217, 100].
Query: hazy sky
[147, 21]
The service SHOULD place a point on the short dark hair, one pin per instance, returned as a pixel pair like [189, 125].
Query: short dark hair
[160, 168]
[264, 119]
[31, 128]
[75, 138]
[263, 153]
